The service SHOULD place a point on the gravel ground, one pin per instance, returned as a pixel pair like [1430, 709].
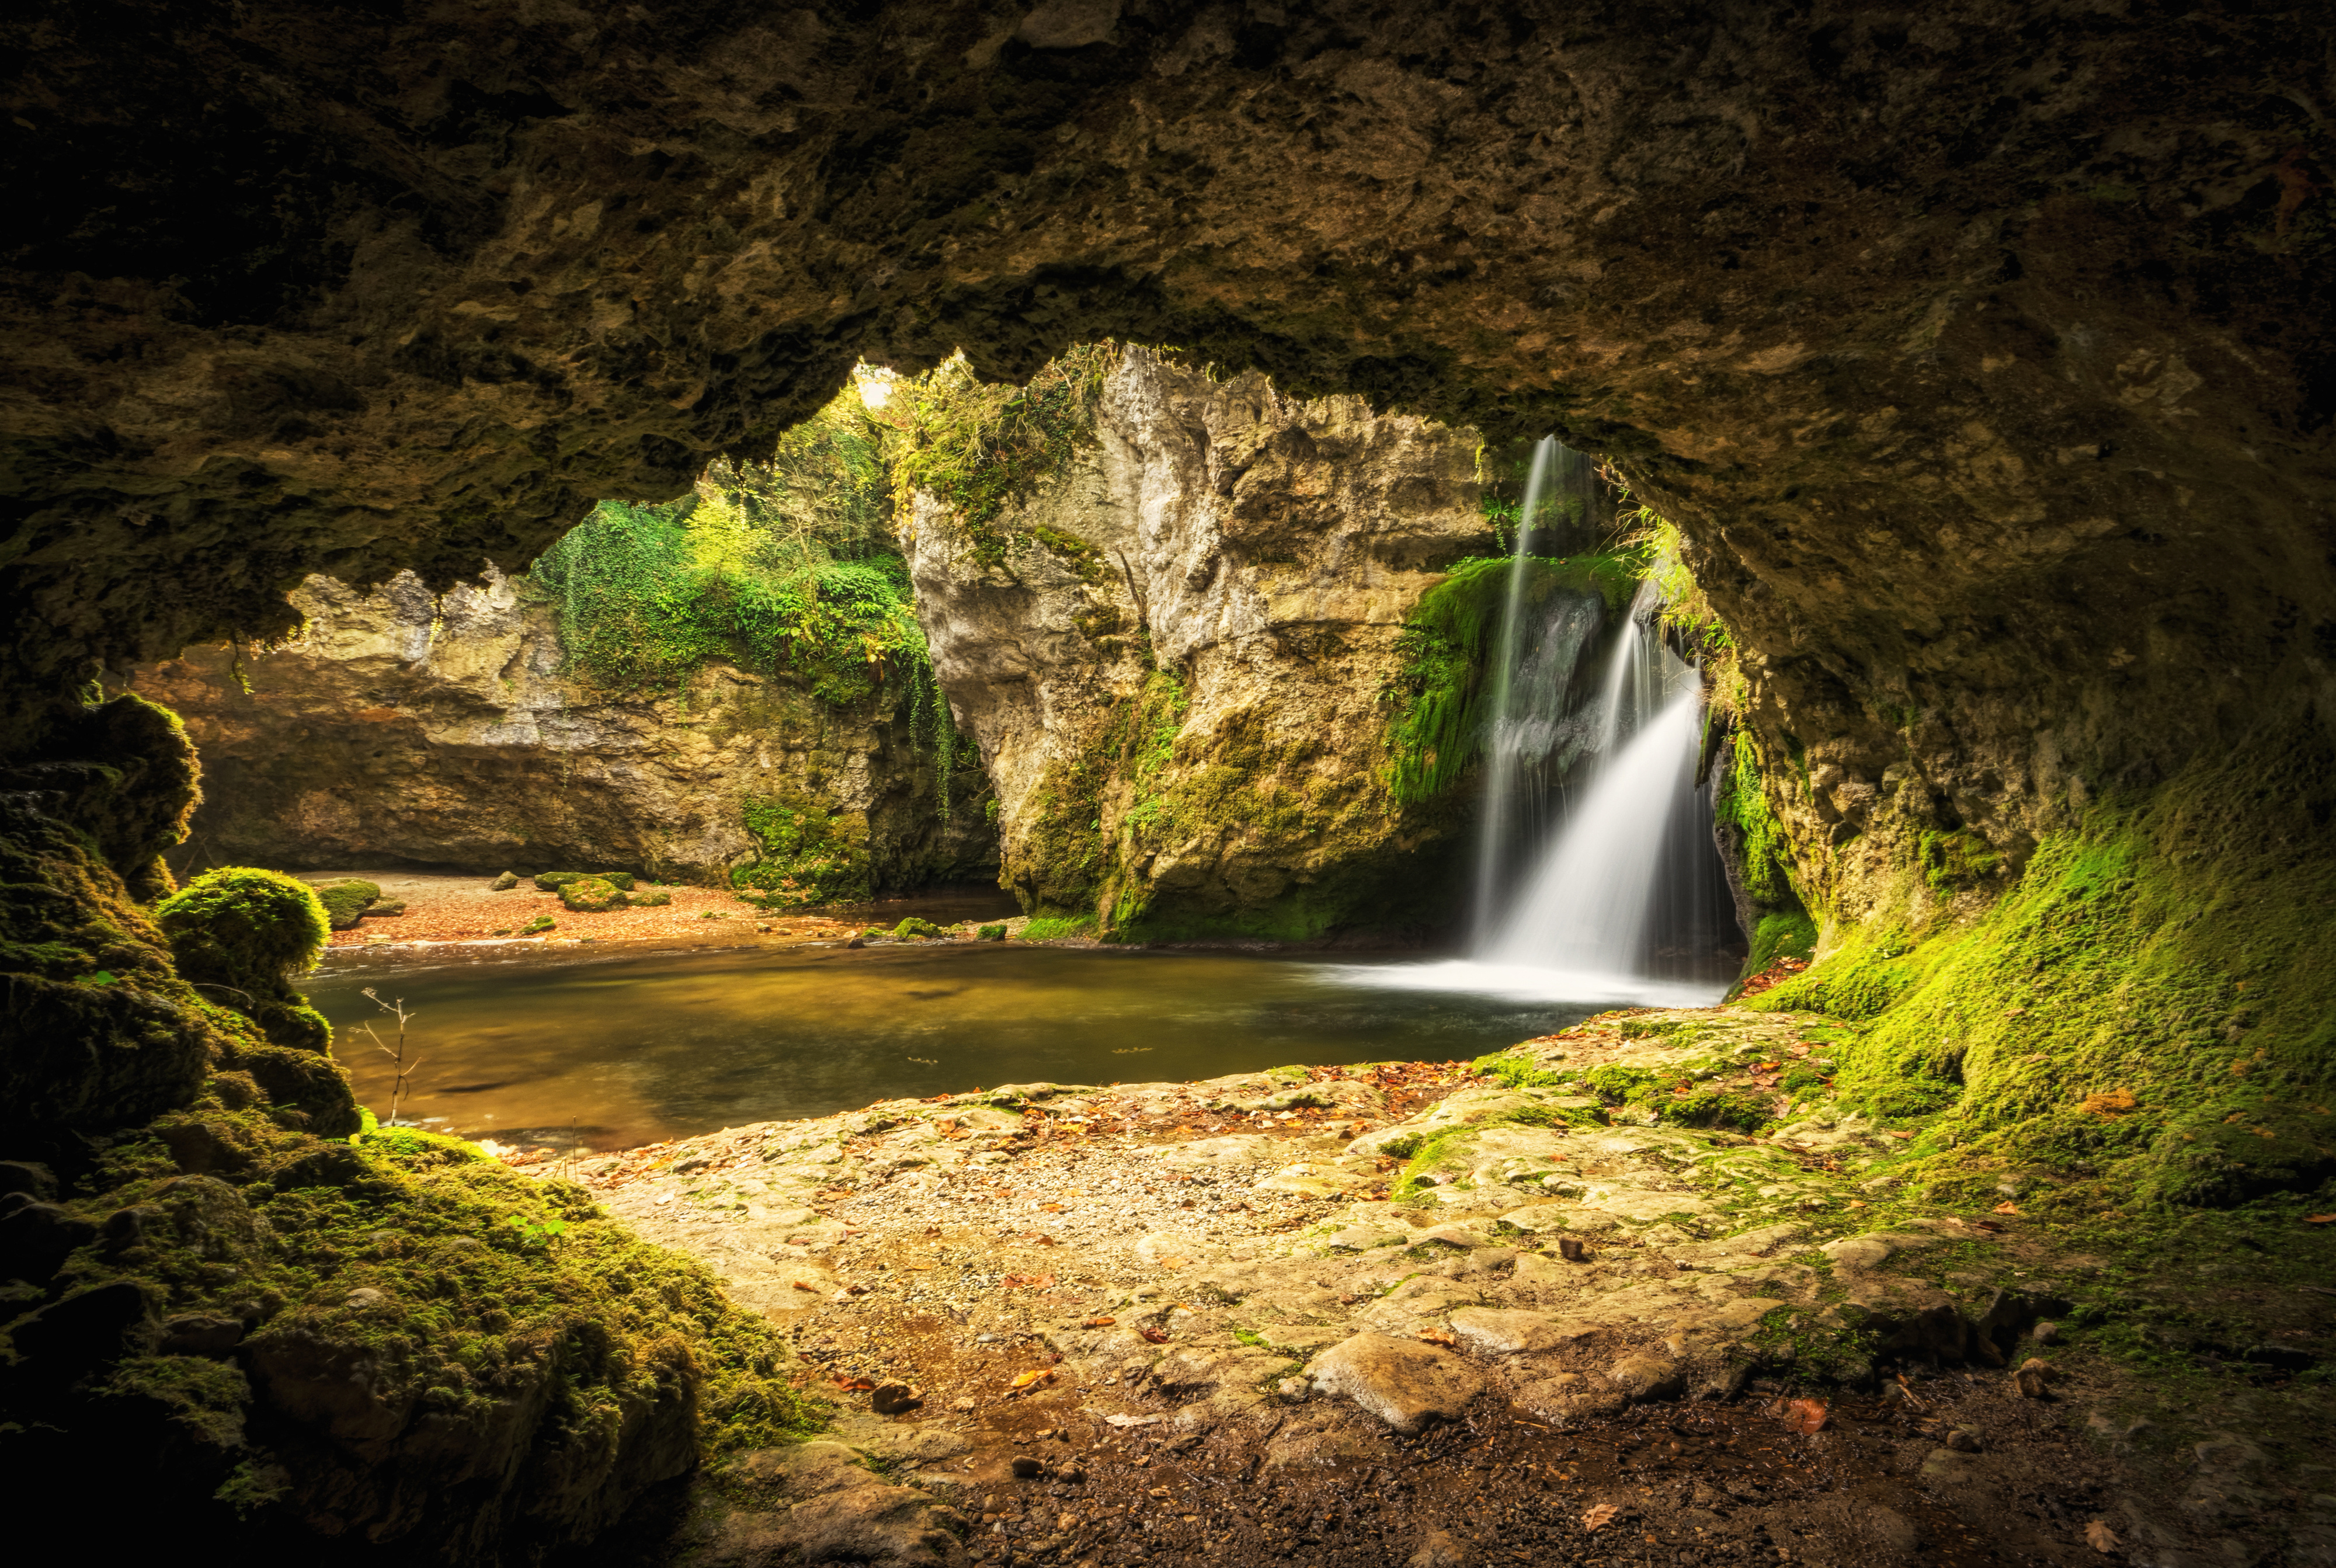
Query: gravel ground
[442, 907]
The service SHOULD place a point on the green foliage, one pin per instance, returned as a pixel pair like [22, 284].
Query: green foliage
[1733, 1108]
[1446, 644]
[978, 448]
[808, 854]
[990, 933]
[239, 935]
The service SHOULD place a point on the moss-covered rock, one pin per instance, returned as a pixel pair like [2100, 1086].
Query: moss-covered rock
[648, 897]
[915, 929]
[591, 895]
[504, 884]
[239, 935]
[346, 899]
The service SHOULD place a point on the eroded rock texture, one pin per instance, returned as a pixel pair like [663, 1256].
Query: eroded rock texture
[1983, 351]
[406, 728]
[1175, 666]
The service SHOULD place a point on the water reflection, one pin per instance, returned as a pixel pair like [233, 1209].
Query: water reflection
[620, 1049]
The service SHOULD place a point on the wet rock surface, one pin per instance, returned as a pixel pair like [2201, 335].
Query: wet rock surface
[1131, 1344]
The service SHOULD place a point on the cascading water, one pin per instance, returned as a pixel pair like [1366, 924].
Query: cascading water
[1620, 897]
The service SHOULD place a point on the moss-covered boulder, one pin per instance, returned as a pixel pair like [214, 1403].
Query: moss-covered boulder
[504, 884]
[990, 933]
[914, 929]
[591, 895]
[346, 899]
[648, 899]
[239, 935]
[552, 881]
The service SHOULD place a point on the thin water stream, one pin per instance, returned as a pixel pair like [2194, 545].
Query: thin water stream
[613, 1049]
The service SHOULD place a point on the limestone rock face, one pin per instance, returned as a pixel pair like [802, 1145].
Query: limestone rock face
[1175, 671]
[401, 727]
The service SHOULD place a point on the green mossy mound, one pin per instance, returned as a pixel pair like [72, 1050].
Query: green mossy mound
[591, 895]
[914, 929]
[805, 853]
[123, 772]
[991, 933]
[2150, 1010]
[391, 1336]
[655, 897]
[346, 899]
[239, 935]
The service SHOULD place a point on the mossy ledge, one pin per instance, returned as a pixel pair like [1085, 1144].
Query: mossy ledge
[217, 1275]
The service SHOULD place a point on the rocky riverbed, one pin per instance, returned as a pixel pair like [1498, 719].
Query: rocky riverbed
[1418, 1313]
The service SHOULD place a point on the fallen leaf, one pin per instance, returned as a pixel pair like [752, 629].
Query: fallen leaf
[1157, 1492]
[920, 1268]
[1051, 1208]
[1888, 1134]
[2101, 1538]
[1436, 1336]
[1804, 1415]
[2113, 1103]
[1603, 1513]
[1857, 1202]
[854, 1384]
[1025, 1381]
[1125, 1421]
[1098, 1322]
[2319, 1219]
[2007, 1207]
[1154, 1335]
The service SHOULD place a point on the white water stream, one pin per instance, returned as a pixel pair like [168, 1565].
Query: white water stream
[1613, 904]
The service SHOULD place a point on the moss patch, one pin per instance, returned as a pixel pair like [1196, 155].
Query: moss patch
[239, 935]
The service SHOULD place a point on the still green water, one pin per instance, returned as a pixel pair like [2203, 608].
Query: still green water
[562, 1045]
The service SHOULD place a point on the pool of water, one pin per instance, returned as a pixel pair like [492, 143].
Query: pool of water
[607, 1050]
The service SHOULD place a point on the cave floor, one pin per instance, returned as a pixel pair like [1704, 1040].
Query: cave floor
[1402, 1314]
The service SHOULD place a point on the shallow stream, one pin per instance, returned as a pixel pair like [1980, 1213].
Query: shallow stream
[608, 1050]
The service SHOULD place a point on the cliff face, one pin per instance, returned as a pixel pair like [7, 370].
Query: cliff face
[403, 727]
[1174, 655]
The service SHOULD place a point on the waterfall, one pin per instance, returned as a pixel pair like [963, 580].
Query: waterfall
[1597, 877]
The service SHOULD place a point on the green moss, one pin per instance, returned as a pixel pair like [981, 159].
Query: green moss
[807, 853]
[1437, 696]
[1743, 808]
[2147, 1010]
[978, 448]
[548, 1363]
[1055, 927]
[916, 929]
[540, 923]
[239, 935]
[990, 933]
[1515, 1071]
[1780, 936]
[591, 895]
[1954, 860]
[346, 899]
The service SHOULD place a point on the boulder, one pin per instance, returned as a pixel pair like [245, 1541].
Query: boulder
[591, 895]
[504, 884]
[1403, 1382]
[1494, 1331]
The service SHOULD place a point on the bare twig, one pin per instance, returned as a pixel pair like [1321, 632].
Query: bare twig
[404, 1068]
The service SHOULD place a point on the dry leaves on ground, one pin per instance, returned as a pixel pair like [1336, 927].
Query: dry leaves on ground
[1603, 1513]
[1025, 1381]
[2101, 1538]
[1156, 1335]
[2007, 1207]
[1802, 1415]
[1098, 1322]
[1436, 1336]
[1027, 1282]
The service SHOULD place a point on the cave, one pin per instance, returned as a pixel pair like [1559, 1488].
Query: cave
[1978, 361]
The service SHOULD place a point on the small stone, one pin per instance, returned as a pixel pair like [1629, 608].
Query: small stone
[1645, 1376]
[1403, 1382]
[1293, 1387]
[1442, 1549]
[1963, 1440]
[1026, 1466]
[365, 1295]
[504, 883]
[2035, 1379]
[2047, 1333]
[963, 1404]
[892, 1398]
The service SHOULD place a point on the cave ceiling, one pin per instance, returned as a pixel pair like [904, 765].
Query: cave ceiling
[1983, 349]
